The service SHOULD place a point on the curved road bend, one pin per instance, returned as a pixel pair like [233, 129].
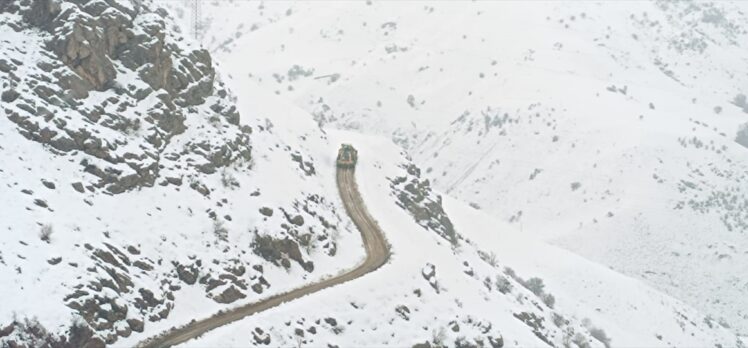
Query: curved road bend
[377, 254]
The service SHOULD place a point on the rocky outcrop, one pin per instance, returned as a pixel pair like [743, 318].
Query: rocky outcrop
[157, 89]
[415, 196]
[229, 295]
[30, 333]
[266, 211]
[279, 251]
[100, 301]
[112, 89]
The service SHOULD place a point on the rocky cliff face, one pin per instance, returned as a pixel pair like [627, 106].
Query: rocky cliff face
[415, 195]
[129, 138]
[104, 98]
[106, 85]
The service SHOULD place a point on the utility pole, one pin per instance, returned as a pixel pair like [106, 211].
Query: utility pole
[195, 19]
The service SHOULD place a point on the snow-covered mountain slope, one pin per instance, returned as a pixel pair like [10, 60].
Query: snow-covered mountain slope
[145, 185]
[493, 287]
[615, 130]
[137, 191]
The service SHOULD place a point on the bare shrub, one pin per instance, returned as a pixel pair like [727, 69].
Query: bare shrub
[438, 336]
[535, 285]
[228, 180]
[558, 319]
[220, 231]
[580, 340]
[489, 258]
[45, 234]
[549, 300]
[503, 284]
[510, 272]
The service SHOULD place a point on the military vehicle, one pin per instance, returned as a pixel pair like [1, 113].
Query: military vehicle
[347, 156]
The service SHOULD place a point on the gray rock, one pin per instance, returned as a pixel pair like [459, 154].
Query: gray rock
[9, 96]
[136, 325]
[55, 260]
[6, 67]
[81, 47]
[42, 12]
[88, 37]
[257, 288]
[40, 202]
[297, 220]
[279, 251]
[75, 86]
[229, 295]
[142, 93]
[497, 342]
[95, 8]
[45, 66]
[201, 188]
[187, 275]
[133, 250]
[742, 136]
[174, 181]
[12, 7]
[142, 265]
[416, 196]
[26, 107]
[78, 187]
[44, 92]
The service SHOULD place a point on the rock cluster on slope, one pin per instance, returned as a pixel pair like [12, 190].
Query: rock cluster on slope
[160, 89]
[415, 195]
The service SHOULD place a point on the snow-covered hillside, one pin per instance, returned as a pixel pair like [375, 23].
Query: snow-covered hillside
[614, 130]
[138, 193]
[491, 287]
[547, 174]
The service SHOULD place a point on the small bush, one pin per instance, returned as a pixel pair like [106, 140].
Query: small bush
[45, 234]
[220, 231]
[438, 337]
[549, 300]
[535, 285]
[558, 320]
[489, 258]
[228, 180]
[503, 284]
[580, 340]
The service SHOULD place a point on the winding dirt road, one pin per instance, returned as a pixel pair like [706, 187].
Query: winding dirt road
[377, 254]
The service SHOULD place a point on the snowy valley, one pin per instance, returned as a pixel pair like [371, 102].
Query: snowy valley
[564, 174]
